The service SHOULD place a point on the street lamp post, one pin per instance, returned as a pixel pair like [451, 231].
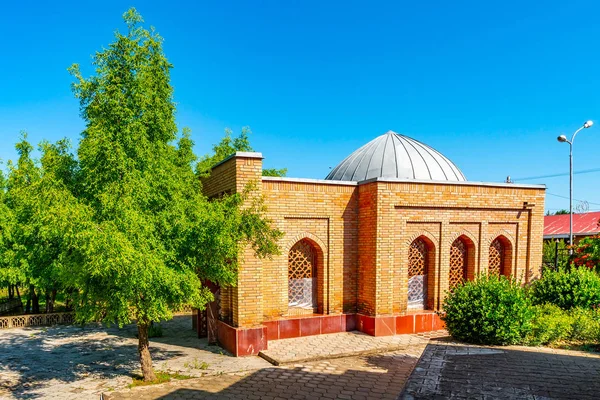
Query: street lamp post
[563, 139]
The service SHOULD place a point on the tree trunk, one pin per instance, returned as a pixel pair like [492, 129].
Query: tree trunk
[11, 292]
[28, 306]
[35, 301]
[19, 297]
[145, 357]
[52, 299]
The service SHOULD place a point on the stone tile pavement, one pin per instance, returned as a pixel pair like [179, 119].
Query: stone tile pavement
[450, 370]
[310, 348]
[70, 362]
[375, 376]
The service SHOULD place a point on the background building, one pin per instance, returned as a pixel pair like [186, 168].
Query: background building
[584, 224]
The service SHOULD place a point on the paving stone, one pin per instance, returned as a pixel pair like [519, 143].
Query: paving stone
[74, 362]
[512, 372]
[319, 347]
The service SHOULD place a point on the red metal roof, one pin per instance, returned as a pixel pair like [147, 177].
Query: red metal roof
[583, 225]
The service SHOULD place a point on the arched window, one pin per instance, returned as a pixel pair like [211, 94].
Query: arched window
[418, 268]
[500, 257]
[302, 277]
[458, 262]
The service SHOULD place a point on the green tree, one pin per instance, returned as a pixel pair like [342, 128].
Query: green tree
[147, 236]
[226, 147]
[10, 276]
[274, 172]
[36, 192]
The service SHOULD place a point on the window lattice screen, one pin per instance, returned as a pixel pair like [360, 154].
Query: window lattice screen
[496, 260]
[458, 263]
[417, 258]
[417, 274]
[302, 260]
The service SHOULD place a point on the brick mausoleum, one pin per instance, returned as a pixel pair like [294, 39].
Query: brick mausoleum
[372, 247]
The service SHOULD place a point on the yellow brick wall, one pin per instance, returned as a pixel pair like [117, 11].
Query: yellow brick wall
[242, 304]
[444, 212]
[363, 233]
[326, 214]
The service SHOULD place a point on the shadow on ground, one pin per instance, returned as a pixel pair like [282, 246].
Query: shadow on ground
[34, 358]
[379, 376]
[460, 371]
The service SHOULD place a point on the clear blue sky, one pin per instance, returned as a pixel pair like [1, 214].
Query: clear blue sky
[488, 85]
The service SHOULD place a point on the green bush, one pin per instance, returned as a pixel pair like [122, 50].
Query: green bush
[578, 287]
[488, 310]
[550, 324]
[586, 325]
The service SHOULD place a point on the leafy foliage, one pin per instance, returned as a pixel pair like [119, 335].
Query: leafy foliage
[124, 226]
[558, 212]
[9, 275]
[577, 287]
[488, 310]
[551, 324]
[587, 252]
[586, 324]
[274, 172]
[40, 202]
[228, 146]
[549, 251]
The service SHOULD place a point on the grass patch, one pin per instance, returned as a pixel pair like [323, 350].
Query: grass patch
[195, 364]
[161, 377]
[579, 346]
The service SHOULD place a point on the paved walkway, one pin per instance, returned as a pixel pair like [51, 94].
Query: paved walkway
[376, 376]
[452, 370]
[68, 362]
[311, 348]
[73, 363]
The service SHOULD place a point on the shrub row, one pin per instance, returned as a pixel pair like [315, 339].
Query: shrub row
[562, 306]
[578, 287]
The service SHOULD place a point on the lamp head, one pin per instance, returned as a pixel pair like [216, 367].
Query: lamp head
[587, 124]
[562, 138]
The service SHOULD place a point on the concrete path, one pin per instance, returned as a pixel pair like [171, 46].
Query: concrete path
[335, 345]
[457, 371]
[377, 376]
[70, 362]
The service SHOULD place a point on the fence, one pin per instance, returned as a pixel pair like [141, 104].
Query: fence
[22, 321]
[555, 255]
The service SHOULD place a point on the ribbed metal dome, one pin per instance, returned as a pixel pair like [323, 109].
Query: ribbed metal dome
[392, 155]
